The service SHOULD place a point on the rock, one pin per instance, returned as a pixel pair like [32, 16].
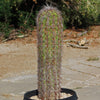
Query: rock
[82, 42]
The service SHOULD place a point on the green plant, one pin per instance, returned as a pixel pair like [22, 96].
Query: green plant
[76, 12]
[78, 88]
[50, 28]
[93, 59]
[5, 29]
[6, 16]
[14, 13]
[5, 11]
[25, 20]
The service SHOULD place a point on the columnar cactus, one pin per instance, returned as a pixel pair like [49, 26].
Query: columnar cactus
[50, 28]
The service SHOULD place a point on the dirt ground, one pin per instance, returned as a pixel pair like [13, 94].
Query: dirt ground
[19, 57]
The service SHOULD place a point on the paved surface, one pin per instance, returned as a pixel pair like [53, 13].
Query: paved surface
[77, 73]
[89, 93]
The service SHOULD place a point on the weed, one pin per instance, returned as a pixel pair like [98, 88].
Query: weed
[5, 29]
[78, 88]
[93, 59]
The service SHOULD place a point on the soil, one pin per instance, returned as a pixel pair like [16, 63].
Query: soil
[63, 95]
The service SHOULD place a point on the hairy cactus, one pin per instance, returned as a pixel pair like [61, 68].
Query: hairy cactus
[50, 28]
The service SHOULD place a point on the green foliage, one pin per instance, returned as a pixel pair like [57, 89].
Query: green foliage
[5, 29]
[4, 17]
[50, 28]
[98, 12]
[79, 13]
[22, 13]
[93, 59]
[4, 10]
[12, 14]
[99, 18]
[26, 20]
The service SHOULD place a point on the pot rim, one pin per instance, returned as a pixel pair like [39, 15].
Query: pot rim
[74, 96]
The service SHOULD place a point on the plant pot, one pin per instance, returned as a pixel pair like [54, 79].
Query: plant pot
[63, 90]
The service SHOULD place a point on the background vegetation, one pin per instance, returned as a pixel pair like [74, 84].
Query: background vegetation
[21, 14]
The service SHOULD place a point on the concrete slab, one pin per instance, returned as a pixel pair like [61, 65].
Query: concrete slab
[18, 71]
[89, 93]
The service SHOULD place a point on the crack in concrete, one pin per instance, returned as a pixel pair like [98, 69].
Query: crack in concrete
[82, 72]
[89, 65]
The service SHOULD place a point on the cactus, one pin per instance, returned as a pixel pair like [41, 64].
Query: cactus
[49, 28]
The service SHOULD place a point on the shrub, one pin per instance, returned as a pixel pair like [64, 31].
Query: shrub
[12, 14]
[4, 29]
[26, 20]
[77, 13]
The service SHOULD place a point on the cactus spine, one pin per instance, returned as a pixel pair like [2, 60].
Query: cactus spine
[50, 28]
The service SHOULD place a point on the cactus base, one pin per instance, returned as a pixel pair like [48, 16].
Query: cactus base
[29, 94]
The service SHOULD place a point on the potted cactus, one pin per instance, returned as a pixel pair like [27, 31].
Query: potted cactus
[49, 33]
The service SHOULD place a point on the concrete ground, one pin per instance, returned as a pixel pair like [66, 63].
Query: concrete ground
[18, 71]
